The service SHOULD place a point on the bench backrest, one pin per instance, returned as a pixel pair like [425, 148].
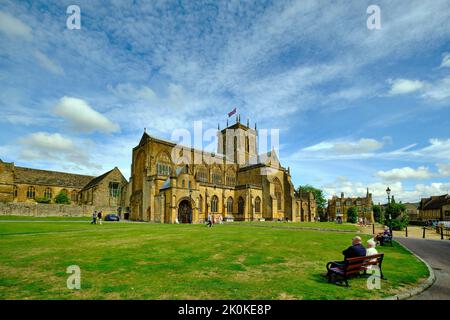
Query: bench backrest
[354, 265]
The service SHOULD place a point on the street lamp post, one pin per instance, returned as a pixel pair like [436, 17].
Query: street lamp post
[388, 191]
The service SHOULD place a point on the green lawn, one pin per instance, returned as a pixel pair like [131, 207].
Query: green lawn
[304, 225]
[56, 218]
[157, 261]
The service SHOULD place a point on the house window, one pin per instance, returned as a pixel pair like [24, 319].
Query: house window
[358, 203]
[258, 204]
[48, 193]
[338, 204]
[230, 205]
[214, 203]
[114, 189]
[349, 203]
[31, 193]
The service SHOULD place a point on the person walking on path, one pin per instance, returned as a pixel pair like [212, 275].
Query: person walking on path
[99, 217]
[209, 224]
[94, 218]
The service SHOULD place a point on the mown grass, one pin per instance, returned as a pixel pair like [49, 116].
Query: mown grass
[157, 261]
[305, 225]
[34, 218]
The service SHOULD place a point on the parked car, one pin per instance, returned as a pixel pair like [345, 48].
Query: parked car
[112, 217]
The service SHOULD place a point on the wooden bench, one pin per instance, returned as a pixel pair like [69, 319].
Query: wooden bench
[353, 267]
[386, 240]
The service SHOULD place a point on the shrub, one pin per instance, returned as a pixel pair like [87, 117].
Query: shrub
[399, 223]
[62, 198]
[43, 200]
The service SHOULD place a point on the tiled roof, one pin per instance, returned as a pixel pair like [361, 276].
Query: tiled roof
[97, 180]
[50, 178]
[434, 202]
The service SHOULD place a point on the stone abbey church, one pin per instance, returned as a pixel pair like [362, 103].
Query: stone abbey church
[236, 182]
[171, 184]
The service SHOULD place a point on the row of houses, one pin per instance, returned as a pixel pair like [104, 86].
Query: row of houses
[431, 208]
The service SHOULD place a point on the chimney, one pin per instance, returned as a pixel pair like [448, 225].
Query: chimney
[342, 195]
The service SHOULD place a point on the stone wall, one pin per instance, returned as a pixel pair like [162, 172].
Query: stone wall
[47, 210]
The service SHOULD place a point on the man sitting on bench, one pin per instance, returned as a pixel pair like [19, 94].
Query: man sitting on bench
[355, 250]
[384, 237]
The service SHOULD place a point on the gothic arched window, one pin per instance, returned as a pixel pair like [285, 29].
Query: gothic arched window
[241, 205]
[31, 192]
[48, 193]
[230, 205]
[258, 204]
[214, 203]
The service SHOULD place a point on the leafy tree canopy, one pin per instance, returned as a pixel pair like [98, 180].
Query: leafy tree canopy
[318, 195]
[352, 215]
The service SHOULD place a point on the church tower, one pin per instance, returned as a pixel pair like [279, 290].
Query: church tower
[238, 143]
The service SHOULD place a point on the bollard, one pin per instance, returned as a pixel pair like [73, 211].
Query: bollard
[442, 233]
[406, 231]
[373, 228]
[423, 233]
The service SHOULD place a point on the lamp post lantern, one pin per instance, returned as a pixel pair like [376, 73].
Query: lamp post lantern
[388, 191]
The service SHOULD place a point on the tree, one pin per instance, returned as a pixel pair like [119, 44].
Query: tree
[352, 215]
[397, 213]
[395, 210]
[378, 214]
[62, 198]
[321, 202]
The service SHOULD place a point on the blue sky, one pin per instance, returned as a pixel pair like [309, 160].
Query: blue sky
[356, 108]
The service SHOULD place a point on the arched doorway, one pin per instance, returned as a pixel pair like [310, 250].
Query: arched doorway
[241, 206]
[185, 212]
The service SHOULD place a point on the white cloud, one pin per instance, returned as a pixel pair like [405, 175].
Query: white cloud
[48, 64]
[403, 86]
[378, 190]
[359, 189]
[13, 27]
[43, 140]
[83, 117]
[444, 169]
[55, 148]
[438, 90]
[405, 173]
[363, 145]
[446, 60]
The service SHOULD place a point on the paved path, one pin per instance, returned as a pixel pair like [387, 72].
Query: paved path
[437, 254]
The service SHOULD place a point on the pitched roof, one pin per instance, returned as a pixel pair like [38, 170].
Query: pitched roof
[97, 180]
[50, 178]
[434, 202]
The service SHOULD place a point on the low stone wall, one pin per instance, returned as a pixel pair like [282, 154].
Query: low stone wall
[49, 210]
